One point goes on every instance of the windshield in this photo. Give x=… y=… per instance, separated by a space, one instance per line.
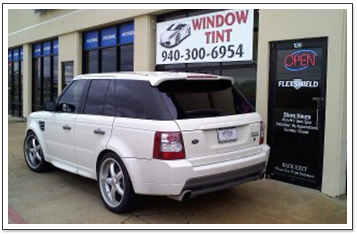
x=203 y=98
x=173 y=27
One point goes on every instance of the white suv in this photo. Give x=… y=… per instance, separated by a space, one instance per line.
x=153 y=133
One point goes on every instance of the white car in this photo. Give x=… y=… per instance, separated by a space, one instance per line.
x=174 y=35
x=153 y=133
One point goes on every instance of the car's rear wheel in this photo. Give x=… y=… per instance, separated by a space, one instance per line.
x=115 y=185
x=33 y=153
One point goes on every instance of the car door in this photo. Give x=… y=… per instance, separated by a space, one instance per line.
x=93 y=127
x=60 y=127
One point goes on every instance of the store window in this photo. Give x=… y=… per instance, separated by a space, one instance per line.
x=109 y=49
x=15 y=82
x=44 y=73
x=244 y=73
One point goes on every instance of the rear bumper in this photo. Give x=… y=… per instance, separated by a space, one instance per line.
x=173 y=178
x=207 y=184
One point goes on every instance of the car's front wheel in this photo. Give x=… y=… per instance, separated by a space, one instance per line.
x=33 y=153
x=115 y=185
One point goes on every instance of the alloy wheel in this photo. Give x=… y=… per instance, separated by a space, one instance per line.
x=111 y=182
x=33 y=152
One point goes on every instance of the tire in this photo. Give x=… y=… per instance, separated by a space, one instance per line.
x=114 y=184
x=33 y=154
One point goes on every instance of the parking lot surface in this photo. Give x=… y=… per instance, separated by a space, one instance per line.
x=61 y=197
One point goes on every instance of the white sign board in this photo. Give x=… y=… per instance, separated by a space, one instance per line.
x=222 y=36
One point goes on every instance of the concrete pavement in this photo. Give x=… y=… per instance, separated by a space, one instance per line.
x=61 y=197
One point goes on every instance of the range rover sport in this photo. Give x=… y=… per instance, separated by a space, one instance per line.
x=152 y=133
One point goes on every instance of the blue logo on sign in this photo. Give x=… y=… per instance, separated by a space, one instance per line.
x=126 y=33
x=91 y=40
x=9 y=56
x=36 y=50
x=108 y=37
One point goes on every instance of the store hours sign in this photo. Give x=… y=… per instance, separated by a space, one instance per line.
x=217 y=37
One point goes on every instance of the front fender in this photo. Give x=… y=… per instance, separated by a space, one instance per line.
x=33 y=125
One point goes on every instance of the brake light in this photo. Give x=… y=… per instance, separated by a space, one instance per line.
x=168 y=146
x=262 y=130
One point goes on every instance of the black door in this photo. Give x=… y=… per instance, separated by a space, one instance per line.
x=296 y=117
x=67 y=73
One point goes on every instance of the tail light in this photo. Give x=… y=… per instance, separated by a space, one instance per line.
x=168 y=146
x=262 y=130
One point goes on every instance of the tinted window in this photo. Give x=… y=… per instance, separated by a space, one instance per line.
x=138 y=99
x=55 y=76
x=46 y=79
x=109 y=59
x=109 y=106
x=245 y=81
x=199 y=99
x=126 y=58
x=72 y=97
x=91 y=61
x=96 y=97
x=36 y=85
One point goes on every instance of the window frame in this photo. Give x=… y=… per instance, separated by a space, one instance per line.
x=63 y=75
x=34 y=83
x=12 y=104
x=99 y=49
x=83 y=96
x=86 y=94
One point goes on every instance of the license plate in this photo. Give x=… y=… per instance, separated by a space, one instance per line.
x=227 y=135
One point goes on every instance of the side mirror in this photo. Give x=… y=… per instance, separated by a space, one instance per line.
x=50 y=106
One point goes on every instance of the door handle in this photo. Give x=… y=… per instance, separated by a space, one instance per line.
x=66 y=127
x=319 y=102
x=99 y=131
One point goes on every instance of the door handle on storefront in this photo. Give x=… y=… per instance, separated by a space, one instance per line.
x=319 y=101
x=99 y=131
x=66 y=127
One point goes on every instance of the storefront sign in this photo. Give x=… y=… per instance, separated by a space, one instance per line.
x=21 y=53
x=46 y=48
x=9 y=56
x=55 y=47
x=217 y=37
x=36 y=50
x=91 y=40
x=300 y=60
x=296 y=111
x=298 y=84
x=16 y=55
x=108 y=37
x=126 y=33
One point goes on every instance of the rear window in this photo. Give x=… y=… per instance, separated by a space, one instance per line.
x=187 y=99
x=138 y=99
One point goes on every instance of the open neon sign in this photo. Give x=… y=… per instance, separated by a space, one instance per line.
x=300 y=60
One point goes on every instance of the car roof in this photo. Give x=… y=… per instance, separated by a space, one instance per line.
x=155 y=78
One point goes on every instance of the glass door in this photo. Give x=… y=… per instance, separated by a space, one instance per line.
x=67 y=73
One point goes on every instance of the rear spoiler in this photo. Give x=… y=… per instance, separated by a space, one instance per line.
x=156 y=82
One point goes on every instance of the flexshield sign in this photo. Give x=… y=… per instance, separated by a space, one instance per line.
x=218 y=37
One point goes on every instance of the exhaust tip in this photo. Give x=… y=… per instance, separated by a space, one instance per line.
x=184 y=196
